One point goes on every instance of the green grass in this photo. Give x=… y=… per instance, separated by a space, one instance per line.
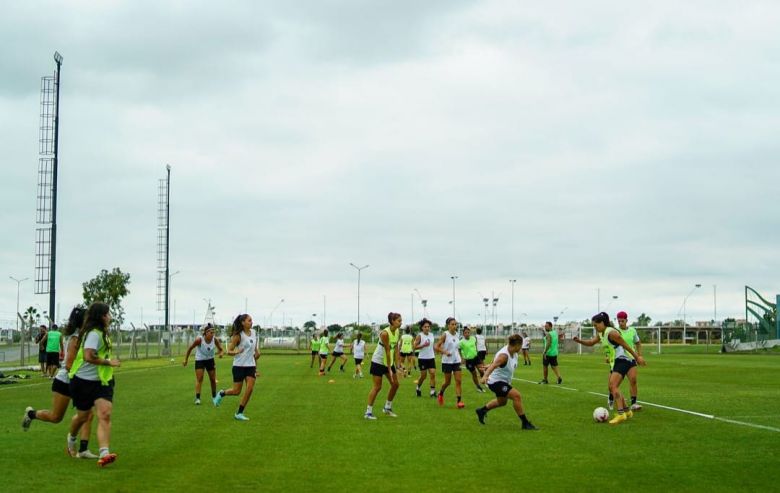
x=306 y=433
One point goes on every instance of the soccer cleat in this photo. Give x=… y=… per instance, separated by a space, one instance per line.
x=26 y=421
x=70 y=447
x=461 y=405
x=618 y=419
x=481 y=415
x=369 y=416
x=629 y=413
x=240 y=417
x=440 y=399
x=529 y=426
x=197 y=402
x=480 y=390
x=610 y=404
x=217 y=400
x=106 y=460
x=86 y=454
x=433 y=393
x=636 y=407
x=560 y=380
x=543 y=382
x=419 y=392
x=389 y=412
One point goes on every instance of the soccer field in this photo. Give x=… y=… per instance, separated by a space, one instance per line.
x=308 y=433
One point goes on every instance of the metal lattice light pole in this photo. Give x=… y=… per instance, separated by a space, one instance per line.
x=512 y=282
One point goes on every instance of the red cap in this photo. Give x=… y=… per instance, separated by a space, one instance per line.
x=623 y=315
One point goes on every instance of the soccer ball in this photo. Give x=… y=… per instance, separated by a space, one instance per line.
x=600 y=414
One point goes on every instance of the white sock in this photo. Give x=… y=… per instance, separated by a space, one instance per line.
x=389 y=405
x=369 y=409
x=103 y=451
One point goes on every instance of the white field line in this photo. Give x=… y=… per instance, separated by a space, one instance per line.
x=48 y=382
x=669 y=408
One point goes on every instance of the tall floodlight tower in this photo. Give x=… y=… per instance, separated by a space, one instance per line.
x=163 y=240
x=46 y=210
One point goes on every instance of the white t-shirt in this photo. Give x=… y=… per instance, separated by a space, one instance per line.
x=450 y=346
x=526 y=343
x=88 y=371
x=506 y=373
x=426 y=352
x=359 y=349
x=247 y=346
x=339 y=346
x=62 y=373
x=481 y=346
x=205 y=350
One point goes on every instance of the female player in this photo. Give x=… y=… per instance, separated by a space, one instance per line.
x=481 y=350
x=498 y=378
x=243 y=348
x=467 y=347
x=92 y=380
x=204 y=360
x=315 y=349
x=427 y=361
x=338 y=352
x=407 y=352
x=526 y=349
x=447 y=346
x=60 y=389
x=623 y=358
x=383 y=364
x=324 y=349
x=358 y=349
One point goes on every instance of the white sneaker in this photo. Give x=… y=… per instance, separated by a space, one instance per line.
x=70 y=448
x=389 y=412
x=241 y=417
x=86 y=455
x=636 y=407
x=369 y=416
x=197 y=402
x=26 y=421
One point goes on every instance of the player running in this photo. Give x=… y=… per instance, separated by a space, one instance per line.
x=447 y=346
x=324 y=350
x=338 y=352
x=204 y=346
x=358 y=349
x=498 y=378
x=424 y=343
x=383 y=364
x=467 y=347
x=60 y=390
x=243 y=347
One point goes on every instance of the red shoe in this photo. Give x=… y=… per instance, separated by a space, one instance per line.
x=461 y=405
x=440 y=399
x=106 y=460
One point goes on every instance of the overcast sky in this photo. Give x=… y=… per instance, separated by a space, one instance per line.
x=626 y=147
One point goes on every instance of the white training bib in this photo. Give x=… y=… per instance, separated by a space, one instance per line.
x=450 y=346
x=247 y=346
x=205 y=350
x=506 y=373
x=426 y=352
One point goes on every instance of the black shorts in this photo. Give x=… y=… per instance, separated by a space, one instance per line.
x=501 y=389
x=324 y=356
x=205 y=364
x=550 y=360
x=53 y=359
x=60 y=387
x=315 y=351
x=471 y=364
x=481 y=356
x=622 y=366
x=85 y=392
x=41 y=356
x=380 y=370
x=241 y=373
x=450 y=367
x=358 y=361
x=337 y=354
x=427 y=364
x=417 y=354
x=404 y=355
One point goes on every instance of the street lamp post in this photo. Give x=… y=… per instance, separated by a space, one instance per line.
x=170 y=277
x=453 y=295
x=21 y=338
x=359 y=270
x=685 y=302
x=495 y=321
x=271 y=316
x=513 y=281
x=484 y=323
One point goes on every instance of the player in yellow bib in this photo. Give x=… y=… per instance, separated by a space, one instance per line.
x=407 y=351
x=315 y=349
x=383 y=364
